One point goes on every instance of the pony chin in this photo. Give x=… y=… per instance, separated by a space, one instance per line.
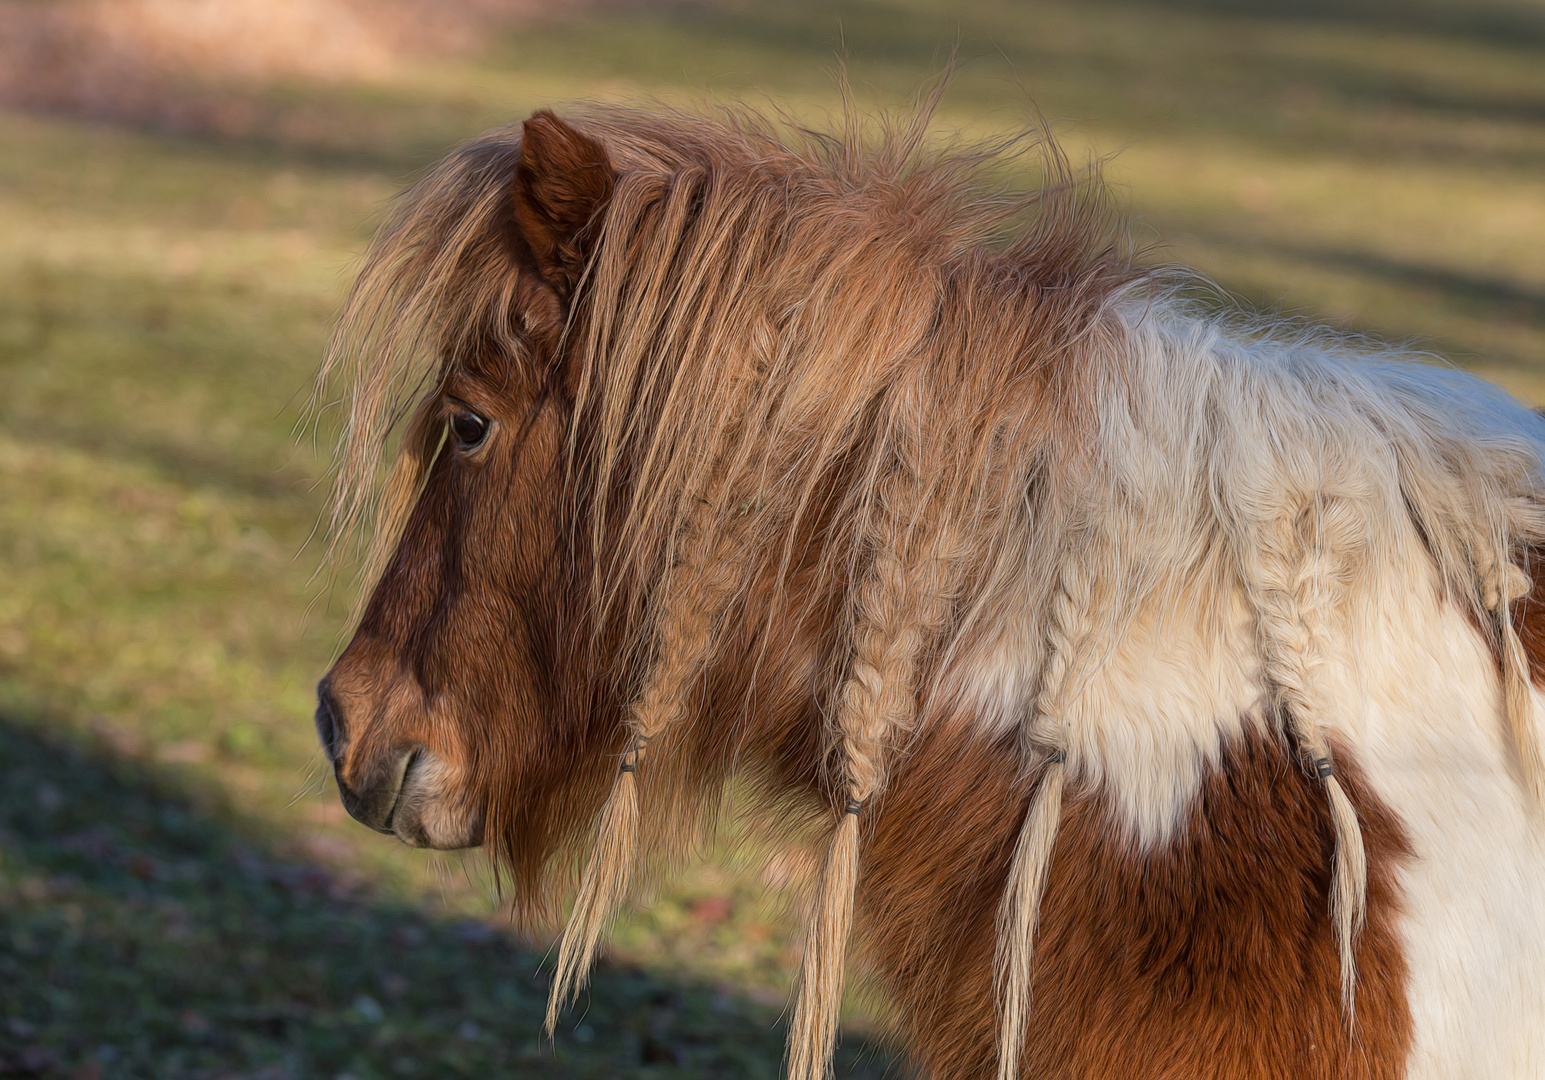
x=432 y=809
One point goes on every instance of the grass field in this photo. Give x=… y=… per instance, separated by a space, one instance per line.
x=180 y=894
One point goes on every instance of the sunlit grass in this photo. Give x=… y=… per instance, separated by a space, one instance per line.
x=164 y=300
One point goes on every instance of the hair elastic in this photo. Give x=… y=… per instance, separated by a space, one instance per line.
x=630 y=758
x=1323 y=768
x=855 y=807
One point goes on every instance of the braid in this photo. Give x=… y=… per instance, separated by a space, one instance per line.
x=900 y=606
x=1044 y=741
x=707 y=577
x=1290 y=589
x=1502 y=582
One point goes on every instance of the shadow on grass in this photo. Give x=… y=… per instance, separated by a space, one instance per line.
x=1478 y=294
x=312 y=125
x=143 y=937
x=1504 y=23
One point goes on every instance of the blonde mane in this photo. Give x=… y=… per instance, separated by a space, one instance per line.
x=868 y=361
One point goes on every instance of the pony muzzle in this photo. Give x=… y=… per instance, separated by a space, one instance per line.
x=376 y=800
x=409 y=796
x=402 y=789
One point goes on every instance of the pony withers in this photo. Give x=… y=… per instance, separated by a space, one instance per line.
x=1160 y=681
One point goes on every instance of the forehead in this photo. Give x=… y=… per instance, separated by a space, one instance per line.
x=490 y=371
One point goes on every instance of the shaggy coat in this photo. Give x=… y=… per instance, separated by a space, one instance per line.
x=1159 y=680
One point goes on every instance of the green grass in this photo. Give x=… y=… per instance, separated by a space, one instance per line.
x=164 y=300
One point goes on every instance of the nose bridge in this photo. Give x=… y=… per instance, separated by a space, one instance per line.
x=408 y=597
x=390 y=714
x=371 y=708
x=372 y=701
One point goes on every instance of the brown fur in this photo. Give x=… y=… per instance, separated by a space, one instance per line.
x=1529 y=617
x=1211 y=957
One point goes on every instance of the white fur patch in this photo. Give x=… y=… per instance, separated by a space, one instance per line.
x=1148 y=722
x=1147 y=719
x=429 y=811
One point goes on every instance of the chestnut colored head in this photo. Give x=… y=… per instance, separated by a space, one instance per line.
x=460 y=693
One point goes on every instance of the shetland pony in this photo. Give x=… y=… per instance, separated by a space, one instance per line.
x=1162 y=682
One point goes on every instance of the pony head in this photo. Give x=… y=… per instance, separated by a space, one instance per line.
x=454 y=706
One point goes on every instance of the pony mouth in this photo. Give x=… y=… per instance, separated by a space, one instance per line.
x=403 y=776
x=410 y=805
x=377 y=805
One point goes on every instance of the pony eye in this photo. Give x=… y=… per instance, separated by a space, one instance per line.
x=468 y=427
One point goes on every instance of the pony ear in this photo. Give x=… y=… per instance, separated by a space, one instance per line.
x=563 y=182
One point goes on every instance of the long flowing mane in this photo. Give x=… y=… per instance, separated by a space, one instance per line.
x=867 y=373
x=757 y=285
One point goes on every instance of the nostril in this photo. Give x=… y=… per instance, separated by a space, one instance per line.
x=327 y=720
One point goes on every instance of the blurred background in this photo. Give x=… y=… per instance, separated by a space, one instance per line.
x=184 y=188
